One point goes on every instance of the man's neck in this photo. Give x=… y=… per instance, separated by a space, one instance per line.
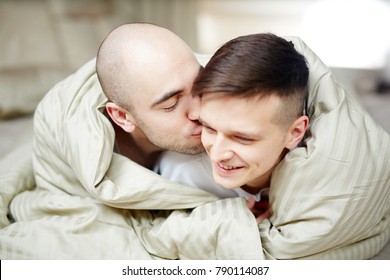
x=257 y=189
x=133 y=146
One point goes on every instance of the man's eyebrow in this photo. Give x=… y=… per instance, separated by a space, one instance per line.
x=246 y=134
x=165 y=97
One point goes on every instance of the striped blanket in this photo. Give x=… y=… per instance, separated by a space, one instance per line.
x=66 y=195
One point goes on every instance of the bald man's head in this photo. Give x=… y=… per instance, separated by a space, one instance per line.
x=147 y=73
x=129 y=54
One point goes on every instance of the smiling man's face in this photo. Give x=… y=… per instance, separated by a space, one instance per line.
x=243 y=139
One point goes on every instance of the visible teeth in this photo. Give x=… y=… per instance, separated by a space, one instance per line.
x=227 y=167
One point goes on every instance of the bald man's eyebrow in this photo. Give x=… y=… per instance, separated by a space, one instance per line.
x=165 y=97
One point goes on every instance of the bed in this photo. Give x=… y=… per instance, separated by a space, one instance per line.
x=310 y=220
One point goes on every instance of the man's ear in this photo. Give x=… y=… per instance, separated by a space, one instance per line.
x=120 y=116
x=297 y=132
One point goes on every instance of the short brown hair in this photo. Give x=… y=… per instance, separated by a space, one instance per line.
x=258 y=65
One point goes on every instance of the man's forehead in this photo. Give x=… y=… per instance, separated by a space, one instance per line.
x=153 y=88
x=236 y=113
x=162 y=83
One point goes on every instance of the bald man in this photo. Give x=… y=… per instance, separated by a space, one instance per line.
x=147 y=72
x=139 y=94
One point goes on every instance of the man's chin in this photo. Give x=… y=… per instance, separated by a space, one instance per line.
x=191 y=150
x=228 y=184
x=195 y=151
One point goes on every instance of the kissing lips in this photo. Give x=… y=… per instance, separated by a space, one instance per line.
x=197 y=133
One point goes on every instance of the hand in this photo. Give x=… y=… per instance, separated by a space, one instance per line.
x=259 y=209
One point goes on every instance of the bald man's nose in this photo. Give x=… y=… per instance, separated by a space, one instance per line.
x=194 y=109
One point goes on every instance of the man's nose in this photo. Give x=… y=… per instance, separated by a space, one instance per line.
x=194 y=108
x=219 y=150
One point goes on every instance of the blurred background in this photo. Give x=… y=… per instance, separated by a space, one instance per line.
x=43 y=41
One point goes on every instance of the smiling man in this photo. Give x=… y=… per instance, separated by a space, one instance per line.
x=252 y=111
x=328 y=194
x=252 y=94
